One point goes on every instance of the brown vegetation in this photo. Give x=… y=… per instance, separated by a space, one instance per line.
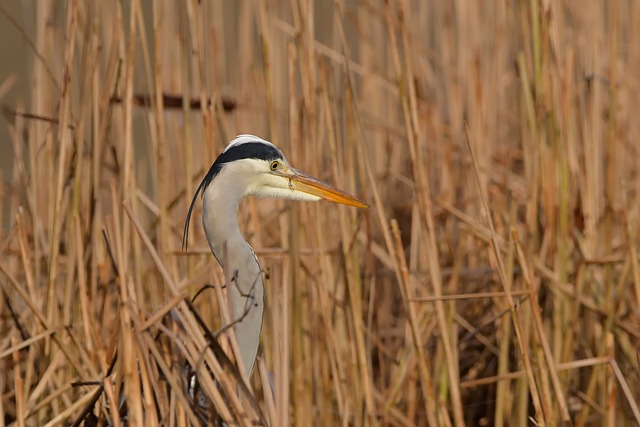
x=494 y=280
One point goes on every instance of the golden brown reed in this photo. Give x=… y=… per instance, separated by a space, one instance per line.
x=495 y=279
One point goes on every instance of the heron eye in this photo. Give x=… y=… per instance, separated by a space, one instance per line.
x=274 y=165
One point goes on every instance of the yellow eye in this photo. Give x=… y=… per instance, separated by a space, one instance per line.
x=274 y=165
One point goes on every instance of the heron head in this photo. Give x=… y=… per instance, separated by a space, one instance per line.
x=250 y=165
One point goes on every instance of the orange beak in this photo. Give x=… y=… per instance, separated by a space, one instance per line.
x=307 y=184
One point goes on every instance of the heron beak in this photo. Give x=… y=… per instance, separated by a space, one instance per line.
x=301 y=182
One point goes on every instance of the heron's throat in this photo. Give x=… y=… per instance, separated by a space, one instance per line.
x=220 y=221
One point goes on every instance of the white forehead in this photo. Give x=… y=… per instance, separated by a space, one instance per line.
x=245 y=138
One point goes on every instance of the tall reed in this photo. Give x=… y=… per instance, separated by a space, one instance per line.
x=494 y=280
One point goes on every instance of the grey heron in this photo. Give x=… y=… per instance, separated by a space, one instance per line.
x=249 y=165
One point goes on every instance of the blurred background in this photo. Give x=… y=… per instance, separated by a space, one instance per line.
x=494 y=280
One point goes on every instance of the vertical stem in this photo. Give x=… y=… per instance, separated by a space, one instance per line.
x=64 y=140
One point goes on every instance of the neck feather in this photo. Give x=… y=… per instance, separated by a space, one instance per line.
x=245 y=289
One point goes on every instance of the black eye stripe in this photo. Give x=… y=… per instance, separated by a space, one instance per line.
x=248 y=150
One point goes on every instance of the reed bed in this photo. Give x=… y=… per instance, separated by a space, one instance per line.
x=494 y=280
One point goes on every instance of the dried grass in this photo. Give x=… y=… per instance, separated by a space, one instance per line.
x=494 y=280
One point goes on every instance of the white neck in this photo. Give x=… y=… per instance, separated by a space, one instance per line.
x=245 y=290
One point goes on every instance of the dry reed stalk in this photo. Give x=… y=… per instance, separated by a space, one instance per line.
x=268 y=81
x=160 y=137
x=349 y=252
x=540 y=416
x=406 y=292
x=426 y=381
x=299 y=320
x=372 y=96
x=423 y=197
x=537 y=320
x=198 y=38
x=337 y=364
x=63 y=139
